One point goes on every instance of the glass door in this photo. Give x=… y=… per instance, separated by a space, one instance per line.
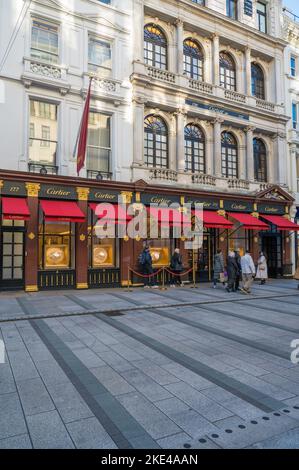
x=12 y=258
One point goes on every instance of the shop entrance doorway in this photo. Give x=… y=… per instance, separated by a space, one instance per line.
x=12 y=255
x=204 y=256
x=271 y=245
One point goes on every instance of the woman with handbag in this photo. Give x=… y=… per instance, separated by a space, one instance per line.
x=218 y=268
x=262 y=268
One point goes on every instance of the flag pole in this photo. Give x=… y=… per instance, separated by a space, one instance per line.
x=81 y=141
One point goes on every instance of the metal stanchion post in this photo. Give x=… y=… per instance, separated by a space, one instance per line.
x=163 y=280
x=129 y=281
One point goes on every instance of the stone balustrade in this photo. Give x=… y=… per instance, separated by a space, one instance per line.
x=201 y=86
x=163 y=174
x=161 y=74
x=236 y=183
x=235 y=96
x=203 y=179
x=266 y=105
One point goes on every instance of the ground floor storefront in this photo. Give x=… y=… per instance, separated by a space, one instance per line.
x=49 y=238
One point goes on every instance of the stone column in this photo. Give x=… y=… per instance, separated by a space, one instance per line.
x=31 y=239
x=138 y=130
x=217 y=146
x=180 y=46
x=138 y=31
x=180 y=140
x=215 y=59
x=278 y=80
x=248 y=70
x=82 y=241
x=249 y=165
x=280 y=152
x=209 y=150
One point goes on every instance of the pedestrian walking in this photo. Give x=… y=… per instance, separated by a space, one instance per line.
x=218 y=268
x=239 y=274
x=248 y=272
x=296 y=275
x=262 y=268
x=232 y=271
x=176 y=265
x=146 y=263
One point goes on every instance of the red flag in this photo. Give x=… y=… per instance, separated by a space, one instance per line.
x=83 y=133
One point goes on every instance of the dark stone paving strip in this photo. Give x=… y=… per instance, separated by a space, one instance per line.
x=79 y=302
x=216 y=331
x=118 y=423
x=243 y=391
x=270 y=309
x=279 y=326
x=26 y=306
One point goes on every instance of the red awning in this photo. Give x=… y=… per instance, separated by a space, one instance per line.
x=113 y=213
x=281 y=222
x=14 y=208
x=167 y=215
x=248 y=221
x=211 y=219
x=66 y=211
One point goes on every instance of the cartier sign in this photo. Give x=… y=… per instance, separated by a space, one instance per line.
x=57 y=192
x=271 y=209
x=163 y=200
x=239 y=206
x=208 y=204
x=100 y=195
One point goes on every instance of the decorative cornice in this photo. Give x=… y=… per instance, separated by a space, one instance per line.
x=82 y=193
x=32 y=189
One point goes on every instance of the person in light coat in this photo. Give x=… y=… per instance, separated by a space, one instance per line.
x=262 y=268
x=248 y=272
x=218 y=267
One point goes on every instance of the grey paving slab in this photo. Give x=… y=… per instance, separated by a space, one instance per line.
x=286 y=440
x=7 y=383
x=16 y=442
x=47 y=431
x=145 y=385
x=156 y=423
x=157 y=373
x=176 y=441
x=34 y=397
x=112 y=380
x=11 y=416
x=89 y=434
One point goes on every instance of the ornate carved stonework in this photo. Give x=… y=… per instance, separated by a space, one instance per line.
x=32 y=189
x=82 y=194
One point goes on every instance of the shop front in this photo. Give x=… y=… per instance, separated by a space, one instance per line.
x=49 y=231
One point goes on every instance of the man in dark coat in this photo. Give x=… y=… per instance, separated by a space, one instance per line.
x=232 y=271
x=239 y=274
x=176 y=265
x=146 y=263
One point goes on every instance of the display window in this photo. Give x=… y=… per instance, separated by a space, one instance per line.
x=240 y=239
x=56 y=245
x=103 y=252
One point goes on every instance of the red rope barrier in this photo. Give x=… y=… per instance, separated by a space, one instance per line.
x=146 y=275
x=178 y=274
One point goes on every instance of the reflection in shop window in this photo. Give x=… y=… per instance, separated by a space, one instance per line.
x=42 y=132
x=56 y=245
x=241 y=240
x=103 y=252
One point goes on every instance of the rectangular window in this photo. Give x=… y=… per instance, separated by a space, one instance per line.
x=232 y=9
x=261 y=11
x=56 y=245
x=99 y=142
x=43 y=132
x=294 y=115
x=99 y=57
x=44 y=41
x=293 y=66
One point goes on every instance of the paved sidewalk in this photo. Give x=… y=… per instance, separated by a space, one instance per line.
x=181 y=368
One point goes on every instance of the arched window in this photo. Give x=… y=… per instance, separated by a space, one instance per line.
x=227 y=71
x=194 y=149
x=257 y=82
x=155 y=47
x=155 y=142
x=193 y=60
x=260 y=160
x=229 y=155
